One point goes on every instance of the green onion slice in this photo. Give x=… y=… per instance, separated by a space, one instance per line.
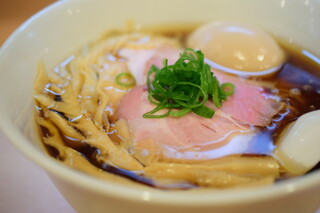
x=185 y=87
x=125 y=79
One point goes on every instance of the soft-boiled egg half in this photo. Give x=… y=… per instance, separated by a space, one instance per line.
x=238 y=48
x=299 y=148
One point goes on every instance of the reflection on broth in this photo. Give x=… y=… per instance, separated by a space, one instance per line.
x=91 y=107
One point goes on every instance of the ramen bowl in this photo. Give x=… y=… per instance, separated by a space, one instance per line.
x=61 y=29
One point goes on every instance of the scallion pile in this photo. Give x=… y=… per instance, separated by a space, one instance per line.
x=185 y=87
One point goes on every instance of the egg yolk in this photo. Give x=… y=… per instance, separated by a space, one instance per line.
x=238 y=47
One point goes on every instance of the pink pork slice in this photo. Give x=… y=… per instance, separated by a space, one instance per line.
x=172 y=137
x=250 y=104
x=139 y=61
x=176 y=138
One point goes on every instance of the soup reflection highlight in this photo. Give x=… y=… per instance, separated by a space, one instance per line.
x=91 y=113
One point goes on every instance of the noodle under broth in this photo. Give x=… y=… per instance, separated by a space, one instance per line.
x=77 y=114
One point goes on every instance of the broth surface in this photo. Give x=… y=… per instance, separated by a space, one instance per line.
x=297 y=84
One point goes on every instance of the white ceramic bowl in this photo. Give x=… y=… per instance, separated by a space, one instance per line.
x=59 y=30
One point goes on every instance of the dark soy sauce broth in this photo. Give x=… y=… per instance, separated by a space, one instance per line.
x=298 y=85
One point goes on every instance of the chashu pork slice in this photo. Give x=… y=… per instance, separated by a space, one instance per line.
x=192 y=137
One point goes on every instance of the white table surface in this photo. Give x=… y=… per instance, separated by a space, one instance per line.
x=24 y=187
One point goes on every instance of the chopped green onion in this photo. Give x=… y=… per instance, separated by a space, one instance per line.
x=227 y=88
x=151 y=113
x=185 y=86
x=125 y=79
x=204 y=111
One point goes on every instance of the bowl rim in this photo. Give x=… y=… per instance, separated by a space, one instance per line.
x=207 y=198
